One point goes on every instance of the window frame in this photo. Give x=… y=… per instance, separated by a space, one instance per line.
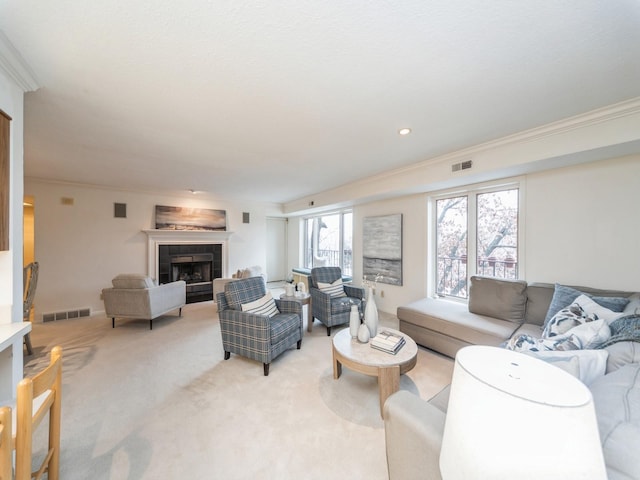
x=471 y=192
x=341 y=242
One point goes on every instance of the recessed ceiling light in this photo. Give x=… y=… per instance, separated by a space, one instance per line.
x=404 y=131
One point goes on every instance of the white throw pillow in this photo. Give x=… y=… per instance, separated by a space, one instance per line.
x=335 y=289
x=592 y=363
x=591 y=334
x=263 y=306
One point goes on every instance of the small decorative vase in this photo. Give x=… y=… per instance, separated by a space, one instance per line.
x=354 y=321
x=363 y=333
x=371 y=314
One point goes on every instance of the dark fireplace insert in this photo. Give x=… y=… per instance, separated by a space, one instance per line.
x=196 y=264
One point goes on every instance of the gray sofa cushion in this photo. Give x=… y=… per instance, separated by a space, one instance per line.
x=622 y=353
x=455 y=320
x=132 y=280
x=503 y=299
x=539 y=297
x=616 y=398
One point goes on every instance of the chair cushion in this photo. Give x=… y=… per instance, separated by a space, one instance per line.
x=263 y=306
x=132 y=280
x=343 y=304
x=283 y=325
x=335 y=289
x=245 y=290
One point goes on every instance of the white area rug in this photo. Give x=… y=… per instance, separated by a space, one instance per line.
x=163 y=404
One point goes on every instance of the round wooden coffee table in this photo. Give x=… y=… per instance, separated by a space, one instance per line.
x=363 y=358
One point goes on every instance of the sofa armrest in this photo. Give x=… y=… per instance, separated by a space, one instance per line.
x=127 y=302
x=218 y=285
x=413 y=435
x=289 y=306
x=354 y=292
x=320 y=303
x=167 y=297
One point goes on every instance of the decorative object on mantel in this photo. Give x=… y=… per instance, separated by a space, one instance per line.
x=371 y=310
x=185 y=218
x=382 y=248
x=354 y=321
x=363 y=333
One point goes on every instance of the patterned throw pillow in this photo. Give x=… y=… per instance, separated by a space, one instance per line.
x=263 y=306
x=563 y=296
x=582 y=310
x=528 y=343
x=335 y=289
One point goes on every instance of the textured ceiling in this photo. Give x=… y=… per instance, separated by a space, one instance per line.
x=275 y=100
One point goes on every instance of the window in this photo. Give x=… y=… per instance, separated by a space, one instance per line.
x=328 y=241
x=476 y=234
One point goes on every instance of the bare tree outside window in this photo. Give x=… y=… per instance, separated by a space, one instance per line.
x=451 y=232
x=495 y=249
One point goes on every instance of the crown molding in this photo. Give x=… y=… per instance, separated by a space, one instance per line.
x=412 y=178
x=593 y=117
x=12 y=64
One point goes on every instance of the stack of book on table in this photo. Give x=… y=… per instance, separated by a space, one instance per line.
x=388 y=341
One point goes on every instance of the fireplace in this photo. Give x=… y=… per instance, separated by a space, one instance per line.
x=198 y=257
x=197 y=264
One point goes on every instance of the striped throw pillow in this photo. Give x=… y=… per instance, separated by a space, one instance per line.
x=335 y=289
x=263 y=306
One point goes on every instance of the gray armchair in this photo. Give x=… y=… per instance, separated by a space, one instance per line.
x=253 y=335
x=137 y=296
x=331 y=309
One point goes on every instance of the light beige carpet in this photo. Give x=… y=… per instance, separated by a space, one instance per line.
x=163 y=404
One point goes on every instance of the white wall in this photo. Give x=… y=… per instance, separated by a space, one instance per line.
x=81 y=247
x=11 y=102
x=582 y=225
x=581 y=228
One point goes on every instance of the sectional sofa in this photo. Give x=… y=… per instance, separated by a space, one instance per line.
x=497 y=310
x=500 y=310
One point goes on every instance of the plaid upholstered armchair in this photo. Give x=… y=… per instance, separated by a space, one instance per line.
x=331 y=299
x=255 y=325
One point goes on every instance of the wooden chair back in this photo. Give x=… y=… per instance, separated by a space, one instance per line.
x=6 y=447
x=29 y=284
x=36 y=397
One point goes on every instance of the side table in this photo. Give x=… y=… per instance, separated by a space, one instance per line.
x=304 y=299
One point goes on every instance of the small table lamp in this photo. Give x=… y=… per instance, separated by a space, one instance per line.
x=512 y=416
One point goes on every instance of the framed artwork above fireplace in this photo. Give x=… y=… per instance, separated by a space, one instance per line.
x=185 y=218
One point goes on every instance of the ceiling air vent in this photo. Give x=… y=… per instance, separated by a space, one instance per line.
x=456 y=167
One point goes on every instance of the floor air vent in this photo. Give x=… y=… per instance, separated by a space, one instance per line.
x=76 y=313
x=456 y=167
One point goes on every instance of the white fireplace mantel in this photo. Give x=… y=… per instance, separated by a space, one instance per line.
x=155 y=238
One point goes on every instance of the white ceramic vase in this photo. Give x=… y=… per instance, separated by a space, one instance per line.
x=354 y=321
x=363 y=333
x=371 y=314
